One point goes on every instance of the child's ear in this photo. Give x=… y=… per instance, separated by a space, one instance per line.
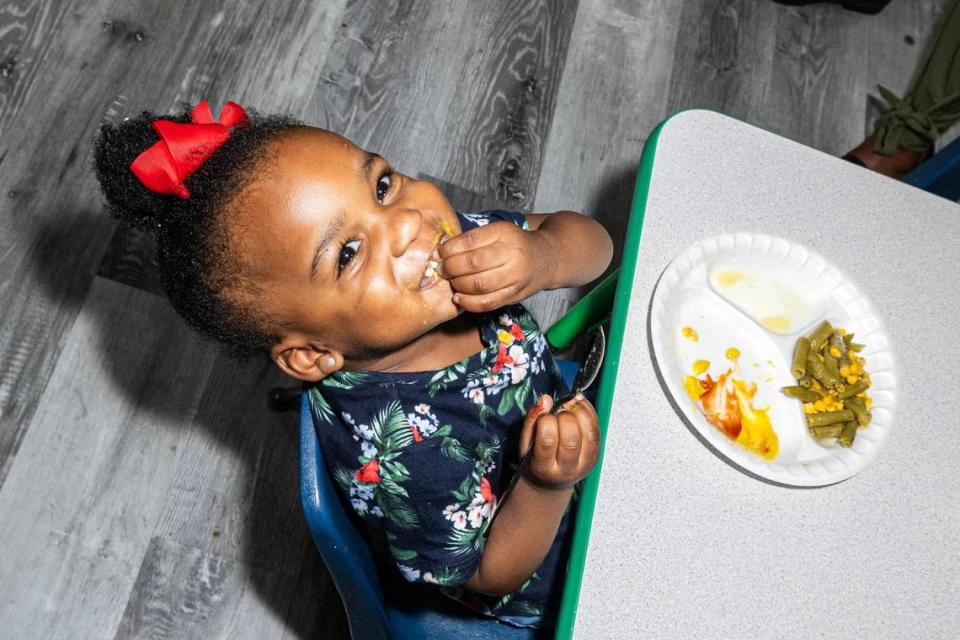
x=306 y=362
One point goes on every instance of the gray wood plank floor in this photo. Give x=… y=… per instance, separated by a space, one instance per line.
x=146 y=491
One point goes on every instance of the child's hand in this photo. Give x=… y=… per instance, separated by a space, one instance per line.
x=495 y=265
x=565 y=445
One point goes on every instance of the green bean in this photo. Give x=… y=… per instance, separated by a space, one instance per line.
x=856 y=348
x=854 y=389
x=832 y=372
x=820 y=336
x=804 y=395
x=829 y=417
x=800 y=353
x=815 y=369
x=847 y=434
x=827 y=431
x=859 y=409
x=836 y=341
x=847 y=339
x=806 y=382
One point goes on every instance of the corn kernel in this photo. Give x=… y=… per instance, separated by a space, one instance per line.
x=808 y=407
x=835 y=352
x=700 y=366
x=852 y=379
x=841 y=331
x=868 y=402
x=844 y=371
x=819 y=406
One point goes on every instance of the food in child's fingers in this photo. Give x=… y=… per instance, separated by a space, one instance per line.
x=832 y=384
x=431 y=273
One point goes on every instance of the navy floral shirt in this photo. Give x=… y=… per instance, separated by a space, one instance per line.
x=424 y=457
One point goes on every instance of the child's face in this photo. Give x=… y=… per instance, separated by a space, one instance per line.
x=338 y=245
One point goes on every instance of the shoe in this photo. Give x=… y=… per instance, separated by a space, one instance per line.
x=896 y=166
x=861 y=6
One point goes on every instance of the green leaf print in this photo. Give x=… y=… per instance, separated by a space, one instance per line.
x=441 y=380
x=391 y=486
x=469 y=540
x=391 y=430
x=531 y=331
x=344 y=477
x=404 y=555
x=446 y=576
x=321 y=408
x=345 y=379
x=395 y=509
x=442 y=431
x=464 y=493
x=452 y=448
x=516 y=396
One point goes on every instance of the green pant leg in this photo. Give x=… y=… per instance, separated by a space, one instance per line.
x=916 y=121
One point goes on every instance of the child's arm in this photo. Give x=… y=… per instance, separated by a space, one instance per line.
x=565 y=449
x=499 y=264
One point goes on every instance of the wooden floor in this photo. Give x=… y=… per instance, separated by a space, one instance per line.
x=146 y=491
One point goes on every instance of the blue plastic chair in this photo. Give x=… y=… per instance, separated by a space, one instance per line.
x=379 y=607
x=939 y=174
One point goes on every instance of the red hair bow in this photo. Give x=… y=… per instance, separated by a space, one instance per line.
x=183 y=147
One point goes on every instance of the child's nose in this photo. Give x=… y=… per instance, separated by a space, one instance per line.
x=404 y=229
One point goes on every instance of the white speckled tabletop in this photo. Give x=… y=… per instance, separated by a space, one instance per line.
x=683 y=545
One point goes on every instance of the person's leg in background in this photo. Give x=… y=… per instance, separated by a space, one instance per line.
x=906 y=132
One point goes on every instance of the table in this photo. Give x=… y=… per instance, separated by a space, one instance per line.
x=683 y=545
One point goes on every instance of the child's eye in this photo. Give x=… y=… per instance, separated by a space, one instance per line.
x=347 y=253
x=383 y=185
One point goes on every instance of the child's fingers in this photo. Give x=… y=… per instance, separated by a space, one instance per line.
x=589 y=433
x=468 y=241
x=487 y=301
x=545 y=441
x=484 y=282
x=475 y=261
x=543 y=405
x=568 y=450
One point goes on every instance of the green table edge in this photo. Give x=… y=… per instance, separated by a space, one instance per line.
x=588 y=495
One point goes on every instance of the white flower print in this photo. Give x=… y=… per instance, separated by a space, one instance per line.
x=459 y=520
x=450 y=510
x=518 y=370
x=476 y=395
x=475 y=516
x=422 y=409
x=425 y=424
x=409 y=573
x=376 y=511
x=359 y=506
x=428 y=577
x=505 y=320
x=369 y=449
x=362 y=491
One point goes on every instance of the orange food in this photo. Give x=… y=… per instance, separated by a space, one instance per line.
x=727 y=405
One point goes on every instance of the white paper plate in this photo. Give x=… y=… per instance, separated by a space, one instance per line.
x=683 y=297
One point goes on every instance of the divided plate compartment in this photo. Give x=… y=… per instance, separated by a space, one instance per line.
x=684 y=297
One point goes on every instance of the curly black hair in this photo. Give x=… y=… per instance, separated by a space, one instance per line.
x=196 y=268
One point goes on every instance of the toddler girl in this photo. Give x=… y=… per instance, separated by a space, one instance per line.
x=427 y=380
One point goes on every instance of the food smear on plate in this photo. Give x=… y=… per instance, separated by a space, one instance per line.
x=690 y=334
x=832 y=384
x=727 y=403
x=771 y=302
